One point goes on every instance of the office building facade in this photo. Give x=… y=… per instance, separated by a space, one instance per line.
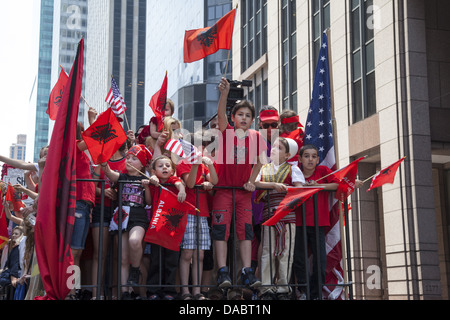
x=390 y=80
x=117 y=48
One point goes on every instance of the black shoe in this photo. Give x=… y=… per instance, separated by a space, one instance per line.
x=249 y=278
x=133 y=276
x=223 y=278
x=126 y=296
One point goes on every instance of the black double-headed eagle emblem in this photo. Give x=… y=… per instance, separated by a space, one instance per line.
x=104 y=133
x=207 y=37
x=173 y=219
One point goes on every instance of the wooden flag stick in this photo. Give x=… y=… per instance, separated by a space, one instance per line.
x=228 y=59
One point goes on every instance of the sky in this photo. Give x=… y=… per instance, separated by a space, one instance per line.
x=18 y=57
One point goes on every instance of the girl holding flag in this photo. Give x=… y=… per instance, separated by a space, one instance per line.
x=135 y=195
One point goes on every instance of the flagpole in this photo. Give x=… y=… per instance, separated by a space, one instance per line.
x=336 y=153
x=229 y=51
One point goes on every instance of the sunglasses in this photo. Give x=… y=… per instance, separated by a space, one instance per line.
x=274 y=125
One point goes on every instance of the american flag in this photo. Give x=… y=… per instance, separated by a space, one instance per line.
x=175 y=147
x=319 y=132
x=192 y=154
x=115 y=99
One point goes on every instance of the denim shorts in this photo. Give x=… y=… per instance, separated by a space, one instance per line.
x=81 y=225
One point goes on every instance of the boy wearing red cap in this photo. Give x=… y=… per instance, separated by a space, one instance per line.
x=135 y=196
x=240 y=155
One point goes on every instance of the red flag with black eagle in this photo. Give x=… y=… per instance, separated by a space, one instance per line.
x=386 y=175
x=158 y=103
x=12 y=197
x=199 y=43
x=55 y=99
x=294 y=198
x=169 y=221
x=4 y=235
x=347 y=184
x=104 y=137
x=56 y=214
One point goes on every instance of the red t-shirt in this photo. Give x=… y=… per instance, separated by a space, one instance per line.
x=236 y=157
x=85 y=190
x=117 y=166
x=184 y=167
x=323 y=208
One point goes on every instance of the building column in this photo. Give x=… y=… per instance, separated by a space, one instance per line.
x=412 y=263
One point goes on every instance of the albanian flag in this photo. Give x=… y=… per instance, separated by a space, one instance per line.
x=347 y=184
x=4 y=235
x=158 y=103
x=104 y=137
x=56 y=95
x=199 y=43
x=169 y=221
x=385 y=176
x=294 y=198
x=56 y=214
x=11 y=196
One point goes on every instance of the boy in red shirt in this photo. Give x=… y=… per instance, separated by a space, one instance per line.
x=241 y=154
x=308 y=162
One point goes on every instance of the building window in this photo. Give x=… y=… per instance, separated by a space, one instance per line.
x=254 y=31
x=321 y=22
x=289 y=54
x=363 y=63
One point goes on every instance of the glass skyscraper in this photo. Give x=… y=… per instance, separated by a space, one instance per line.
x=44 y=76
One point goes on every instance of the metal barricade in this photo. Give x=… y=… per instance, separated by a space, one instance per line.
x=232 y=258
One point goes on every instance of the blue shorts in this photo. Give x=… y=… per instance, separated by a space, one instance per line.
x=81 y=225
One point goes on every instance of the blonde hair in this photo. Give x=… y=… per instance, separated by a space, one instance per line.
x=168 y=122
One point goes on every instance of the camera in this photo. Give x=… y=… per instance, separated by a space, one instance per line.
x=236 y=94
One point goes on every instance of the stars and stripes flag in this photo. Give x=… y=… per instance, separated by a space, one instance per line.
x=319 y=132
x=115 y=99
x=175 y=147
x=191 y=153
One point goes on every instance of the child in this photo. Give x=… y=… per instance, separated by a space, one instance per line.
x=163 y=170
x=290 y=127
x=168 y=112
x=195 y=174
x=239 y=149
x=278 y=241
x=117 y=164
x=135 y=195
x=309 y=160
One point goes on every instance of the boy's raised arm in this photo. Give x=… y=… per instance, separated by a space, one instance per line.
x=224 y=88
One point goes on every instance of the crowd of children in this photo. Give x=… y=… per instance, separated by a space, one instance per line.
x=230 y=182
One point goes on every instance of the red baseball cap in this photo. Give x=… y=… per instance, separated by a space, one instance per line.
x=269 y=115
x=142 y=153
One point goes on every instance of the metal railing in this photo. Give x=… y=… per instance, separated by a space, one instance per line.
x=232 y=259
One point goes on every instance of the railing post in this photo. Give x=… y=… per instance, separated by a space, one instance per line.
x=100 y=241
x=318 y=251
x=305 y=251
x=119 y=244
x=348 y=255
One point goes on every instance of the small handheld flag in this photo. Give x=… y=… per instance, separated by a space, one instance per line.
x=385 y=176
